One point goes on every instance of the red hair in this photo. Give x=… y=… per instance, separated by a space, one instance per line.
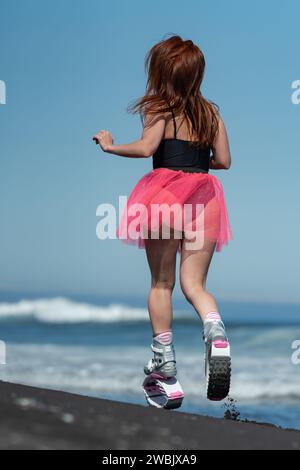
x=175 y=70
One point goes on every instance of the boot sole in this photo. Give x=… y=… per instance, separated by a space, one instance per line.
x=219 y=379
x=218 y=371
x=161 y=392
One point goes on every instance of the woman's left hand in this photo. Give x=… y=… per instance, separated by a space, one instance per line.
x=104 y=139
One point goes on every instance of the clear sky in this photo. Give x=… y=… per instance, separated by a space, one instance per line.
x=71 y=68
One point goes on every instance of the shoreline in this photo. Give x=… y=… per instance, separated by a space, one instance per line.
x=41 y=419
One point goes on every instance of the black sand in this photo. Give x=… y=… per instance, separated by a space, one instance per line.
x=33 y=418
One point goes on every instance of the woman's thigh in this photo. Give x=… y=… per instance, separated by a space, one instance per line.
x=194 y=264
x=161 y=256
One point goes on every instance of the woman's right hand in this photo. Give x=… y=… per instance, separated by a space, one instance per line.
x=104 y=139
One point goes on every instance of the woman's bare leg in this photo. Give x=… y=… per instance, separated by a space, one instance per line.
x=161 y=255
x=194 y=265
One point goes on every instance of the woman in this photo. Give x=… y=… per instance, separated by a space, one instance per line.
x=179 y=207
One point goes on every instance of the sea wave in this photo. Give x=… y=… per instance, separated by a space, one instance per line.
x=61 y=310
x=115 y=371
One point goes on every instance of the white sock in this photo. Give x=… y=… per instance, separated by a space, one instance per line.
x=164 y=338
x=212 y=316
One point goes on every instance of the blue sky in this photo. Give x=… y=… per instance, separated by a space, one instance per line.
x=71 y=68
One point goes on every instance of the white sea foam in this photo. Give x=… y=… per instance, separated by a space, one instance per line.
x=62 y=310
x=117 y=371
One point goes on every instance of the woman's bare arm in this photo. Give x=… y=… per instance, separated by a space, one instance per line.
x=221 y=157
x=142 y=148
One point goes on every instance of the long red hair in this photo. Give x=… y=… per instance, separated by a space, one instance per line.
x=175 y=70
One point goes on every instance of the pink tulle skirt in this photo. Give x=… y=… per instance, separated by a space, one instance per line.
x=164 y=202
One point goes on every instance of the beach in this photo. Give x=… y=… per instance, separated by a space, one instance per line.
x=40 y=419
x=98 y=349
x=79 y=306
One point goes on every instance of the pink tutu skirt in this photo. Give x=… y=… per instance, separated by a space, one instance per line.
x=185 y=204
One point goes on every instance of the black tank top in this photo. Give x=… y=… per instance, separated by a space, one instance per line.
x=178 y=154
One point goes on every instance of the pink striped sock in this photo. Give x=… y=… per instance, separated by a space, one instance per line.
x=213 y=316
x=164 y=338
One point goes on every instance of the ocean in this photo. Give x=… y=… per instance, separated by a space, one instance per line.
x=98 y=348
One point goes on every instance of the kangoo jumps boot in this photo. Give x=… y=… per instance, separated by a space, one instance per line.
x=217 y=360
x=164 y=360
